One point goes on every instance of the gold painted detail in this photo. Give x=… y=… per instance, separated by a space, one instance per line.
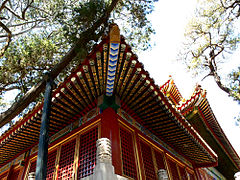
x=135 y=87
x=34 y=149
x=119 y=64
x=85 y=87
x=61 y=133
x=78 y=92
x=5 y=167
x=18 y=160
x=142 y=88
x=129 y=73
x=114 y=34
x=87 y=117
x=128 y=56
x=95 y=77
x=89 y=80
x=145 y=131
x=132 y=83
x=105 y=60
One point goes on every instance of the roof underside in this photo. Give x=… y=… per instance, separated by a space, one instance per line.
x=225 y=164
x=140 y=97
x=208 y=127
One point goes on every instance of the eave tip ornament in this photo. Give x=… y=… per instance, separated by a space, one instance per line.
x=114 y=33
x=113 y=57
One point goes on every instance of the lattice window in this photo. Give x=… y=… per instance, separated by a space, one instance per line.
x=202 y=175
x=191 y=176
x=173 y=170
x=32 y=167
x=51 y=165
x=147 y=161
x=87 y=153
x=129 y=165
x=14 y=175
x=183 y=173
x=159 y=160
x=66 y=161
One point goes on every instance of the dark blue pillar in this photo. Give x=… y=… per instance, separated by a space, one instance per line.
x=41 y=168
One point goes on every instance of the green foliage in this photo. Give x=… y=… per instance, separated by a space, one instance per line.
x=2 y=104
x=43 y=31
x=211 y=37
x=132 y=18
x=80 y=17
x=211 y=29
x=27 y=59
x=235 y=84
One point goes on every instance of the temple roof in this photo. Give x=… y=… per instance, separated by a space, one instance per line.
x=111 y=69
x=199 y=113
x=171 y=91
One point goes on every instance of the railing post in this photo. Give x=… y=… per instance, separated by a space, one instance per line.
x=41 y=167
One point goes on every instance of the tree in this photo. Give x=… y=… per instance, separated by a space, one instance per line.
x=211 y=37
x=40 y=36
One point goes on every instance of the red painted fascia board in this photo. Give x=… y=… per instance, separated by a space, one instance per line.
x=69 y=134
x=205 y=165
x=219 y=141
x=138 y=119
x=74 y=118
x=68 y=79
x=14 y=157
x=179 y=117
x=164 y=85
x=186 y=105
x=29 y=116
x=149 y=139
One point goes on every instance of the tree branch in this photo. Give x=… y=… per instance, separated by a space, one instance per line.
x=219 y=83
x=8 y=89
x=9 y=38
x=213 y=70
x=34 y=92
x=22 y=32
x=3 y=5
x=26 y=8
x=12 y=11
x=42 y=10
x=27 y=22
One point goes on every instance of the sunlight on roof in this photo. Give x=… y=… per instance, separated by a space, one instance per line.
x=169 y=20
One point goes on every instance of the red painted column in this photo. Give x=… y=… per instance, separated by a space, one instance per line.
x=110 y=130
x=25 y=167
x=9 y=172
x=21 y=173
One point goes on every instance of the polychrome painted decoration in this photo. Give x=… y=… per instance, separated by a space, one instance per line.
x=112 y=64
